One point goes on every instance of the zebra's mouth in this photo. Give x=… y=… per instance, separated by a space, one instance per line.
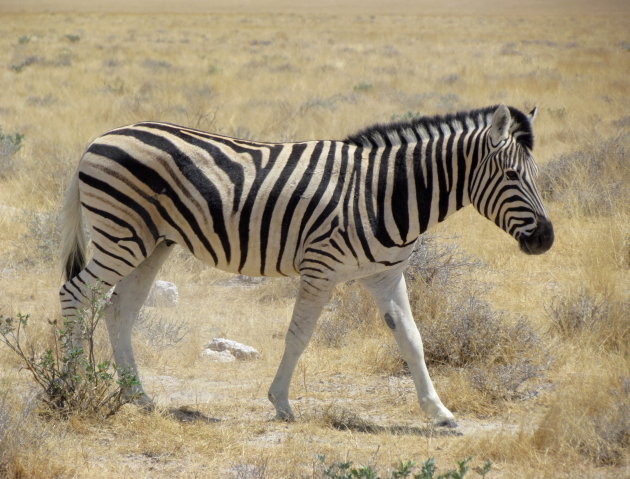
x=540 y=240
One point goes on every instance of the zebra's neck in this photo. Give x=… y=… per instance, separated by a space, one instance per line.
x=423 y=169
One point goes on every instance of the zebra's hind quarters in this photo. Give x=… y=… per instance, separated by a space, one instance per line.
x=540 y=240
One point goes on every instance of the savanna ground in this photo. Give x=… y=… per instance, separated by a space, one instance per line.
x=530 y=353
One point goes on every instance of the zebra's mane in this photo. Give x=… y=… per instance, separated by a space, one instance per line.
x=520 y=128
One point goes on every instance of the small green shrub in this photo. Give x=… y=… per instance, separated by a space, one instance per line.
x=10 y=144
x=362 y=87
x=404 y=117
x=72 y=381
x=405 y=469
x=28 y=61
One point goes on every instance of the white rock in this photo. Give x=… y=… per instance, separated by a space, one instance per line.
x=240 y=351
x=218 y=356
x=163 y=294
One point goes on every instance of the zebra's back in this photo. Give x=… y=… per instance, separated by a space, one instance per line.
x=249 y=207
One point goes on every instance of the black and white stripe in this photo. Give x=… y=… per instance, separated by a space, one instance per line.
x=326 y=210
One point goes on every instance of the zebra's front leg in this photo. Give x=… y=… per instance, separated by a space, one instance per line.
x=390 y=291
x=311 y=298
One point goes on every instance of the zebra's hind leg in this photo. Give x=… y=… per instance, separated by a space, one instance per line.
x=390 y=291
x=311 y=298
x=120 y=316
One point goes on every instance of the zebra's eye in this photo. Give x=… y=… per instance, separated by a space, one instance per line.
x=511 y=175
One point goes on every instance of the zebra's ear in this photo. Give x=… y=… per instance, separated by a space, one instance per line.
x=500 y=124
x=532 y=114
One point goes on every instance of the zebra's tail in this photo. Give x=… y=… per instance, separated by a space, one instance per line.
x=73 y=239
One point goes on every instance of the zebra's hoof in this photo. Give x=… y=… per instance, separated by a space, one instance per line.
x=450 y=423
x=285 y=416
x=142 y=401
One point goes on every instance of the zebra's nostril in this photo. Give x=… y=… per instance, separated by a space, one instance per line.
x=540 y=240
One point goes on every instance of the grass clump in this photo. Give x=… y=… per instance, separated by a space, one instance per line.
x=10 y=144
x=43 y=235
x=497 y=356
x=72 y=381
x=161 y=332
x=589 y=417
x=25 y=441
x=352 y=310
x=463 y=333
x=597 y=317
x=404 y=469
x=593 y=180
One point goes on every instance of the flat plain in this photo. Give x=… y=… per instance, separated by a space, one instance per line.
x=553 y=398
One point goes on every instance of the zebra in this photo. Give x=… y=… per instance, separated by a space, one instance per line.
x=328 y=211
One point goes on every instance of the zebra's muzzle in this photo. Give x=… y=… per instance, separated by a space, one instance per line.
x=540 y=240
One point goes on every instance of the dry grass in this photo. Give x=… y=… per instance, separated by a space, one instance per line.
x=593 y=180
x=589 y=416
x=69 y=77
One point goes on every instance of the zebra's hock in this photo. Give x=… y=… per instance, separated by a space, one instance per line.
x=540 y=240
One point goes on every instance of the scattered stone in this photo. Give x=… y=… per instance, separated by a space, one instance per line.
x=238 y=350
x=218 y=356
x=163 y=294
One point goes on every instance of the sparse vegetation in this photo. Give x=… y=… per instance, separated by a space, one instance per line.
x=43 y=235
x=601 y=319
x=405 y=469
x=589 y=417
x=20 y=66
x=72 y=381
x=531 y=353
x=462 y=332
x=10 y=144
x=350 y=310
x=592 y=180
x=161 y=331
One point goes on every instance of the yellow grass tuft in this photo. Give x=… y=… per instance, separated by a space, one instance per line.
x=68 y=78
x=589 y=415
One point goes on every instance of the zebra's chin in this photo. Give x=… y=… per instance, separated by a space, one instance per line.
x=540 y=240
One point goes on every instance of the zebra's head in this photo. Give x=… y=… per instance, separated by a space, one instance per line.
x=503 y=185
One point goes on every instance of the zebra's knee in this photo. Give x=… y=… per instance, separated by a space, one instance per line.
x=394 y=316
x=389 y=321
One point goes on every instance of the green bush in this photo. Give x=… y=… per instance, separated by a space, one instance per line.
x=408 y=469
x=72 y=381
